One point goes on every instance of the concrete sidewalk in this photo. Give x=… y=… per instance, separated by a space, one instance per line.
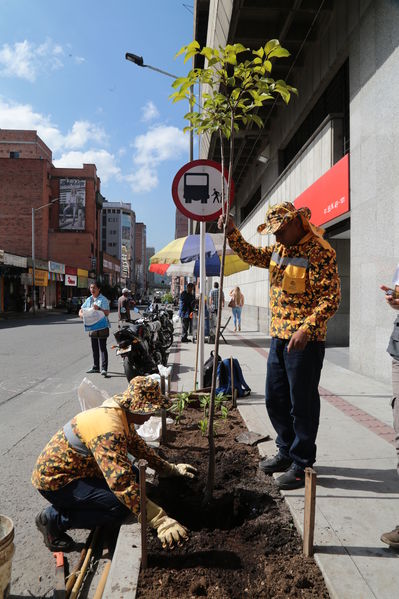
x=357 y=485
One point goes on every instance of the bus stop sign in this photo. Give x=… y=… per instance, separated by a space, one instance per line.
x=197 y=190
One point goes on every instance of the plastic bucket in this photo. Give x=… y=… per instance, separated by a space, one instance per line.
x=6 y=553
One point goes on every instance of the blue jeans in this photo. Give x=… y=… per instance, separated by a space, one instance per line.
x=83 y=503
x=237 y=315
x=292 y=398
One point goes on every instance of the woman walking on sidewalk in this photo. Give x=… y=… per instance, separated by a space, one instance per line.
x=236 y=303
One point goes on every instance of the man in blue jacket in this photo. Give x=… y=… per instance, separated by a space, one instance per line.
x=186 y=306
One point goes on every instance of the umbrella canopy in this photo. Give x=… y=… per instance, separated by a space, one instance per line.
x=232 y=264
x=187 y=249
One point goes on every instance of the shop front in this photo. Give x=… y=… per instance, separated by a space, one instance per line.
x=56 y=275
x=12 y=291
x=83 y=281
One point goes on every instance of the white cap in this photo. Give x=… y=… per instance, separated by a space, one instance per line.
x=125 y=290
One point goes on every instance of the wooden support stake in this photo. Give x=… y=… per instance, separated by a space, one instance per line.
x=143 y=513
x=309 y=512
x=169 y=384
x=163 y=412
x=233 y=395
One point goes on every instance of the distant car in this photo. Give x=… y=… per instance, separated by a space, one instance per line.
x=73 y=304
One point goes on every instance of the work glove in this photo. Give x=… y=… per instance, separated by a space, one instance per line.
x=185 y=470
x=169 y=531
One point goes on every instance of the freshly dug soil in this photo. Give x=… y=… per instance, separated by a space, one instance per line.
x=243 y=545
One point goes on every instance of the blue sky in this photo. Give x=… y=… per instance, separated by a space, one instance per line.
x=63 y=72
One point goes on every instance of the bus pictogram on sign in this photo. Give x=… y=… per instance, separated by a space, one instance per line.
x=197 y=190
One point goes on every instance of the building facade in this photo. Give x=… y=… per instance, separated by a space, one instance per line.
x=60 y=210
x=331 y=148
x=118 y=233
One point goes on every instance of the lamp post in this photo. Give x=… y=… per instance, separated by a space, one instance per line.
x=139 y=61
x=33 y=249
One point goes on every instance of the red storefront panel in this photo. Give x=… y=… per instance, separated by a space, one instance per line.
x=328 y=197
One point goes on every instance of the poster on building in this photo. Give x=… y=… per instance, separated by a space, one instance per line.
x=72 y=211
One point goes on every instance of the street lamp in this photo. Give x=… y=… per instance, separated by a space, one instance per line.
x=33 y=249
x=139 y=61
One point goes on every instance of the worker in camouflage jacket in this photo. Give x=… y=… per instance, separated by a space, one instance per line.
x=304 y=294
x=86 y=474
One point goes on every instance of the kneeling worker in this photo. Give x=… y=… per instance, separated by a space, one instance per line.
x=85 y=472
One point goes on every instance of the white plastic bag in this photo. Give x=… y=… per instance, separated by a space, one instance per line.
x=151 y=430
x=90 y=396
x=175 y=318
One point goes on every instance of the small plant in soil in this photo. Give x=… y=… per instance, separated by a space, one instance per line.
x=179 y=405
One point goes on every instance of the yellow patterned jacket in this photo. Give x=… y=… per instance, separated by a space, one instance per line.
x=107 y=436
x=304 y=283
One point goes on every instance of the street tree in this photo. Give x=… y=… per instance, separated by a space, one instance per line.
x=235 y=83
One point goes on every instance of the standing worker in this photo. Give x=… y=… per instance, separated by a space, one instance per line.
x=84 y=471
x=123 y=307
x=304 y=294
x=186 y=306
x=98 y=338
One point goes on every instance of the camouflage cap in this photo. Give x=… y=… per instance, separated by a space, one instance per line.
x=279 y=215
x=143 y=396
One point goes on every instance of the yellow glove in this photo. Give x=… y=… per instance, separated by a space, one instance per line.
x=181 y=470
x=169 y=531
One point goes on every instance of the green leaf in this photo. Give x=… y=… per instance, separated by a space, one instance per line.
x=189 y=55
x=270 y=45
x=268 y=66
x=260 y=53
x=279 y=52
x=207 y=52
x=257 y=120
x=240 y=48
x=181 y=51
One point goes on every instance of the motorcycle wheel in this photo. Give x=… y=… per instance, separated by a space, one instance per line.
x=159 y=357
x=167 y=338
x=130 y=371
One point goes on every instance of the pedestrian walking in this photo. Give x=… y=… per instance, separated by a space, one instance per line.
x=123 y=307
x=98 y=337
x=392 y=298
x=214 y=298
x=236 y=303
x=304 y=294
x=85 y=472
x=186 y=306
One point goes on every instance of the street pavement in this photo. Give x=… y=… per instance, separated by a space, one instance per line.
x=44 y=361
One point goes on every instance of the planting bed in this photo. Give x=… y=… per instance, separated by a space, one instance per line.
x=244 y=545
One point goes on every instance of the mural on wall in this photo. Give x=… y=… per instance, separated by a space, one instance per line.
x=72 y=212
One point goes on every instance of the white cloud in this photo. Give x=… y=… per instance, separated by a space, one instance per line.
x=149 y=112
x=25 y=59
x=158 y=145
x=104 y=161
x=22 y=116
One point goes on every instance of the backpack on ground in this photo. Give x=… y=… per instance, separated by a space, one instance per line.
x=224 y=377
x=208 y=369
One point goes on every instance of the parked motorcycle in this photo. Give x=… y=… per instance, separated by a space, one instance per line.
x=141 y=347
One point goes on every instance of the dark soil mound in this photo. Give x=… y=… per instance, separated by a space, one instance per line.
x=242 y=545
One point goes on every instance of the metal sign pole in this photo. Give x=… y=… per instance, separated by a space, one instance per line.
x=202 y=307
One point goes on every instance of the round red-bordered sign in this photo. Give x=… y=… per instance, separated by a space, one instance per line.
x=196 y=190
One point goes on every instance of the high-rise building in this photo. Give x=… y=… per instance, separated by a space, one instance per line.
x=118 y=230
